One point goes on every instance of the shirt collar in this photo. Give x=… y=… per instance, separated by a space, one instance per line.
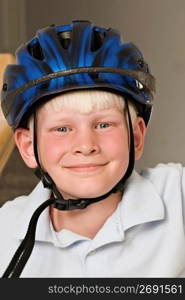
x=140 y=204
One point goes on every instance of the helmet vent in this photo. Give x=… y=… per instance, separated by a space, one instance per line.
x=94 y=76
x=142 y=64
x=35 y=50
x=5 y=87
x=97 y=40
x=65 y=39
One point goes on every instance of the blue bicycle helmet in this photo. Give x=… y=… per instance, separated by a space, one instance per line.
x=72 y=57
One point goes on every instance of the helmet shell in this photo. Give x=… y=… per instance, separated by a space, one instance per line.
x=86 y=52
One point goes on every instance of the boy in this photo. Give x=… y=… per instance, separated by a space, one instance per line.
x=80 y=101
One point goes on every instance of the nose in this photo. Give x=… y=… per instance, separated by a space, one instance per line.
x=86 y=143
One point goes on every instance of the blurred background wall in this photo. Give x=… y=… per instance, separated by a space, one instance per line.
x=157 y=27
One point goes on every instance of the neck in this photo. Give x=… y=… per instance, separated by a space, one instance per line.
x=86 y=222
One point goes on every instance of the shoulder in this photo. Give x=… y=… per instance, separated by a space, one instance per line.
x=13 y=205
x=14 y=219
x=10 y=214
x=11 y=211
x=168 y=181
x=164 y=168
x=164 y=174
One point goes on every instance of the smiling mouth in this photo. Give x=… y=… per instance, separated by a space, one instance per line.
x=85 y=167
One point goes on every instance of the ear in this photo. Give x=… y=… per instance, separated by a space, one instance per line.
x=24 y=142
x=139 y=130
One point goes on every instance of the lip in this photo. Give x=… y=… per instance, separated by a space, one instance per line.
x=90 y=167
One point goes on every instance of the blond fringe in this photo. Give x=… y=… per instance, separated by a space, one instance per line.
x=86 y=101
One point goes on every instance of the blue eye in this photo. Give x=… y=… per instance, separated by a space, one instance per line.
x=103 y=125
x=62 y=129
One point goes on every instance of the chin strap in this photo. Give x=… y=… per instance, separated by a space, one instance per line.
x=24 y=251
x=70 y=204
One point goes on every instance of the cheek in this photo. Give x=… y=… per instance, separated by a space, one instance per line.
x=117 y=145
x=51 y=149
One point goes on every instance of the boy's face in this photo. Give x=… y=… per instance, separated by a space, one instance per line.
x=85 y=154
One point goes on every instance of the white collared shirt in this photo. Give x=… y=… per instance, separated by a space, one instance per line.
x=144 y=237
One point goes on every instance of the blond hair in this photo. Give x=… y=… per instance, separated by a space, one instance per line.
x=85 y=101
